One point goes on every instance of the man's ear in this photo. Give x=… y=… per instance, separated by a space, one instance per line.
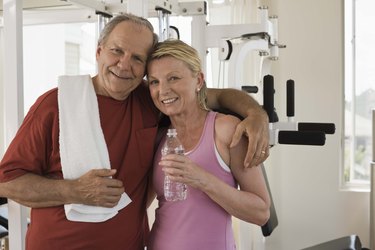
x=98 y=51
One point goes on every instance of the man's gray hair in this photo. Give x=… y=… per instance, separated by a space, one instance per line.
x=126 y=17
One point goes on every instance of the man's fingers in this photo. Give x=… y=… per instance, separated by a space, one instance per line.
x=97 y=188
x=250 y=155
x=110 y=201
x=114 y=183
x=104 y=172
x=261 y=154
x=237 y=136
x=258 y=138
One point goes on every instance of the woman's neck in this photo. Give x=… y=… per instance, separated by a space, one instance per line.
x=189 y=127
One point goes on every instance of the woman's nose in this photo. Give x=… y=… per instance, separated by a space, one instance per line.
x=163 y=88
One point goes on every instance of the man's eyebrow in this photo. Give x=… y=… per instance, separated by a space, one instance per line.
x=142 y=56
x=113 y=44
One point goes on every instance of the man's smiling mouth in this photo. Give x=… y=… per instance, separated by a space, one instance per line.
x=121 y=77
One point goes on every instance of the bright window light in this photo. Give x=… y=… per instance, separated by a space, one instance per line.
x=359 y=92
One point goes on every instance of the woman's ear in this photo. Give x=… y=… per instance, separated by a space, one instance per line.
x=201 y=81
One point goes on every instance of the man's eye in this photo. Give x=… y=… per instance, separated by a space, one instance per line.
x=139 y=59
x=116 y=51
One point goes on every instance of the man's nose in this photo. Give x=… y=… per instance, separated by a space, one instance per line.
x=124 y=61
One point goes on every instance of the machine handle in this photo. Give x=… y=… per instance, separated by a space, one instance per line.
x=314 y=138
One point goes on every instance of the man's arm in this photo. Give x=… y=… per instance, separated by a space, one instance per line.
x=93 y=188
x=255 y=124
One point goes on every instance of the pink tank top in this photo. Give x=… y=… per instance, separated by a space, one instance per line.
x=197 y=223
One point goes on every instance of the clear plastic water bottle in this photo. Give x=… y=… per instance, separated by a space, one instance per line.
x=173 y=191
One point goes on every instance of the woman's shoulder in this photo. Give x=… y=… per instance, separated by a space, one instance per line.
x=227 y=121
x=225 y=126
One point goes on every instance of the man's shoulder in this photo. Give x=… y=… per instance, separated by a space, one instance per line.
x=142 y=89
x=48 y=101
x=143 y=94
x=50 y=96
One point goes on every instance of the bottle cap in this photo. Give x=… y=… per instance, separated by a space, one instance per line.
x=171 y=131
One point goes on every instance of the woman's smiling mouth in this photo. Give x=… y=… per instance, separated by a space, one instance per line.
x=170 y=100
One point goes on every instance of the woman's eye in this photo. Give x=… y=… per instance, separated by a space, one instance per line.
x=152 y=82
x=173 y=78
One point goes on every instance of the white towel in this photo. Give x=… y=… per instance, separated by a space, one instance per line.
x=82 y=144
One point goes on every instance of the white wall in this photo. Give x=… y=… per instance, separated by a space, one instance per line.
x=305 y=179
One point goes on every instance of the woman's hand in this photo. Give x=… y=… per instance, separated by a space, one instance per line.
x=181 y=169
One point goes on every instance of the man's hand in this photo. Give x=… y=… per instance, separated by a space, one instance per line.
x=98 y=189
x=256 y=128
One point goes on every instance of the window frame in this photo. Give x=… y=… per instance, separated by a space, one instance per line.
x=350 y=79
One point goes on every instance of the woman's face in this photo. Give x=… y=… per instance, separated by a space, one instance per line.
x=173 y=86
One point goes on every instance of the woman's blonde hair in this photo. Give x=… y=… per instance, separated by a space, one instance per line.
x=182 y=51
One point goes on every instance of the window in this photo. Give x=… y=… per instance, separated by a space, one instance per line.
x=51 y=50
x=359 y=92
x=71 y=58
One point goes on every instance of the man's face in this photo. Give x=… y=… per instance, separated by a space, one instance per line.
x=122 y=60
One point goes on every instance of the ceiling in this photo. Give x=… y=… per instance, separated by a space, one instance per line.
x=43 y=4
x=55 y=11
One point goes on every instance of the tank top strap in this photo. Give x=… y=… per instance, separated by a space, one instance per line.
x=208 y=134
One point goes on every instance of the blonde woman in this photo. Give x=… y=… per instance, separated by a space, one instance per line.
x=219 y=185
